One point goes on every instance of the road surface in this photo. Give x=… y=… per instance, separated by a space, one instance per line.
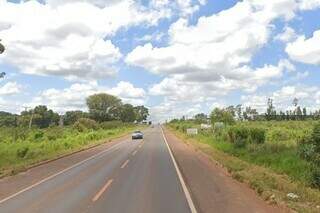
x=130 y=176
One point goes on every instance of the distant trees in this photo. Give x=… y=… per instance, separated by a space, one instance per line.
x=222 y=115
x=127 y=113
x=70 y=117
x=104 y=107
x=7 y=119
x=201 y=118
x=2 y=49
x=40 y=116
x=141 y=112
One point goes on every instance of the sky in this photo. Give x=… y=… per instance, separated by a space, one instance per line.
x=177 y=57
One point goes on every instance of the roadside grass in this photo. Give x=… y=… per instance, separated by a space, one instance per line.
x=273 y=169
x=22 y=148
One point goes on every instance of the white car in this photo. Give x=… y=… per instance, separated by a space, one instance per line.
x=137 y=135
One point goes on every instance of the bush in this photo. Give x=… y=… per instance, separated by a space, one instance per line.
x=306 y=149
x=241 y=135
x=84 y=124
x=111 y=124
x=21 y=152
x=309 y=149
x=238 y=135
x=316 y=176
x=257 y=135
x=38 y=135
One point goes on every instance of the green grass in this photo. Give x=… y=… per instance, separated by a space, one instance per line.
x=278 y=153
x=272 y=169
x=20 y=147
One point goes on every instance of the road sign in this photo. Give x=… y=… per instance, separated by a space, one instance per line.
x=192 y=131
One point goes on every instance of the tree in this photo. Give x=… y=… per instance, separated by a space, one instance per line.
x=239 y=112
x=200 y=118
x=221 y=115
x=142 y=113
x=2 y=48
x=71 y=117
x=299 y=113
x=104 y=107
x=304 y=112
x=271 y=113
x=40 y=117
x=127 y=113
x=7 y=119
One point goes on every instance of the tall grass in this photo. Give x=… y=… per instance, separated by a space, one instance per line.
x=21 y=147
x=279 y=152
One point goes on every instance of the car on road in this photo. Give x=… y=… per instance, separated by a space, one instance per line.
x=137 y=135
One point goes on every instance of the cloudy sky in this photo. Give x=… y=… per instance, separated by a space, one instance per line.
x=178 y=57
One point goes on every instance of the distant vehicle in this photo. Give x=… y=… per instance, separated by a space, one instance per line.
x=137 y=135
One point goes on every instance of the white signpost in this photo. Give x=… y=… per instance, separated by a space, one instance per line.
x=192 y=131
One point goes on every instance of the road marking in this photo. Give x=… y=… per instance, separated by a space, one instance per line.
x=102 y=190
x=61 y=172
x=125 y=163
x=134 y=153
x=183 y=184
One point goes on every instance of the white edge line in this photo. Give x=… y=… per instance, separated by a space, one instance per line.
x=183 y=184
x=59 y=173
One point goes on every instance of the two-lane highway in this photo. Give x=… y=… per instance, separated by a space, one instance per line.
x=131 y=176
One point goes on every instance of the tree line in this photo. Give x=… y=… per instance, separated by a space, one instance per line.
x=232 y=113
x=102 y=107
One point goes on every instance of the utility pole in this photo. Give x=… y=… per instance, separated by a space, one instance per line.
x=61 y=120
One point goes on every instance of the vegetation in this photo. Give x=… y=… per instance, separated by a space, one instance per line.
x=276 y=152
x=22 y=147
x=40 y=133
x=267 y=156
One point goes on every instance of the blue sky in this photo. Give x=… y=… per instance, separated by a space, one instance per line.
x=176 y=57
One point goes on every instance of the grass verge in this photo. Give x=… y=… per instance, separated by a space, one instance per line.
x=19 y=156
x=270 y=185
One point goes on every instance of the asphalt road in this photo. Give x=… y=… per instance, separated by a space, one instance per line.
x=131 y=176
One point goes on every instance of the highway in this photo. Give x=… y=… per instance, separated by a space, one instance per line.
x=130 y=176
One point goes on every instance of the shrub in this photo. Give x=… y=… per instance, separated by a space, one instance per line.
x=38 y=135
x=111 y=124
x=238 y=135
x=316 y=176
x=309 y=149
x=306 y=149
x=21 y=152
x=257 y=135
x=84 y=124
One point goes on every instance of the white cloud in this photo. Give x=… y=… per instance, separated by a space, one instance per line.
x=309 y=4
x=74 y=97
x=287 y=35
x=213 y=57
x=67 y=38
x=218 y=47
x=10 y=88
x=305 y=50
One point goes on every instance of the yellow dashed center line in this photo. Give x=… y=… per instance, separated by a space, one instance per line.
x=124 y=164
x=102 y=190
